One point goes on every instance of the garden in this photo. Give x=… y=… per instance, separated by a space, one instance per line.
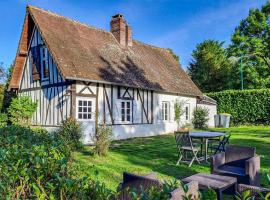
x=37 y=165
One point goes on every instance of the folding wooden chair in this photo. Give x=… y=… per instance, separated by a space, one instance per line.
x=221 y=146
x=185 y=147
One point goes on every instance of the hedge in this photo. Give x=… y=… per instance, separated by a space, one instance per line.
x=245 y=106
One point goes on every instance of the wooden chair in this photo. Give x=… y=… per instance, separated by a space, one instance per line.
x=185 y=147
x=221 y=145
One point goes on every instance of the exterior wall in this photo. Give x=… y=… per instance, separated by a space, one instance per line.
x=159 y=126
x=212 y=112
x=51 y=95
x=146 y=109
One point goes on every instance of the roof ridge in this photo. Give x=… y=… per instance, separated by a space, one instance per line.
x=152 y=46
x=67 y=18
x=89 y=26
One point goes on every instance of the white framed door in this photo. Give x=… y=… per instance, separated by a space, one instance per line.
x=85 y=114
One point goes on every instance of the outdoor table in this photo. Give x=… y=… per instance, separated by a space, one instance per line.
x=216 y=182
x=205 y=136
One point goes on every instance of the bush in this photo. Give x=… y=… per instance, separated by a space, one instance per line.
x=245 y=106
x=102 y=140
x=71 y=132
x=38 y=165
x=178 y=112
x=21 y=110
x=200 y=117
x=3 y=120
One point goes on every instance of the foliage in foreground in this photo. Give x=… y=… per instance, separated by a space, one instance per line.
x=21 y=110
x=245 y=106
x=35 y=165
x=70 y=131
x=200 y=117
x=102 y=140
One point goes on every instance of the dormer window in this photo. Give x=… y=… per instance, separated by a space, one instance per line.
x=44 y=63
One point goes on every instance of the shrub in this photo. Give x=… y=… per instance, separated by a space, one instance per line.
x=37 y=165
x=71 y=132
x=3 y=120
x=178 y=112
x=200 y=117
x=102 y=140
x=245 y=106
x=21 y=110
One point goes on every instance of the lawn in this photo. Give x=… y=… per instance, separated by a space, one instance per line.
x=159 y=154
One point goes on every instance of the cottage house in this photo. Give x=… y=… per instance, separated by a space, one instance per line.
x=96 y=76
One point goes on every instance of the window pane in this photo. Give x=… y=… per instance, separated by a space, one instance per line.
x=123 y=105
x=84 y=116
x=89 y=109
x=128 y=104
x=84 y=109
x=85 y=103
x=123 y=117
x=128 y=117
x=80 y=109
x=89 y=103
x=128 y=111
x=80 y=116
x=80 y=103
x=89 y=116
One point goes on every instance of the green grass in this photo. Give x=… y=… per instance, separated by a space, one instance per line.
x=159 y=154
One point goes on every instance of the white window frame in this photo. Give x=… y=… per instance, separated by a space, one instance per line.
x=165 y=111
x=42 y=59
x=83 y=99
x=124 y=111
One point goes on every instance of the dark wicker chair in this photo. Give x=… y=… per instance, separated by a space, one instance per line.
x=254 y=190
x=240 y=162
x=143 y=183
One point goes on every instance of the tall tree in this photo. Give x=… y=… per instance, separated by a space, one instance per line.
x=251 y=41
x=210 y=68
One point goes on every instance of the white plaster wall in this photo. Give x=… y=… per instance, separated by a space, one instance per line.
x=212 y=112
x=159 y=126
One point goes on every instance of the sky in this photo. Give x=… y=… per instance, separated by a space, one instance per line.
x=176 y=24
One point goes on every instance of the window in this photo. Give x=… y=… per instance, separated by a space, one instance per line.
x=44 y=63
x=165 y=110
x=187 y=112
x=125 y=111
x=84 y=109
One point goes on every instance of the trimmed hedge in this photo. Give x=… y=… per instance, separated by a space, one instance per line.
x=245 y=106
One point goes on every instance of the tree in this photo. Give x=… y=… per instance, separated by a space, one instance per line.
x=251 y=40
x=176 y=57
x=21 y=110
x=7 y=95
x=210 y=67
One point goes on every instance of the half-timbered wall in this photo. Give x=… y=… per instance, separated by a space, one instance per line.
x=146 y=109
x=52 y=94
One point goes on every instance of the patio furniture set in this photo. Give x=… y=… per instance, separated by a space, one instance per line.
x=233 y=168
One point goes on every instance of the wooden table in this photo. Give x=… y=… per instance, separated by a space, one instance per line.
x=216 y=182
x=205 y=136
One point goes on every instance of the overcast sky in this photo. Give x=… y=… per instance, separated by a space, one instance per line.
x=176 y=24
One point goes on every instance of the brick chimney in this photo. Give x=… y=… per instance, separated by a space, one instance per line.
x=121 y=30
